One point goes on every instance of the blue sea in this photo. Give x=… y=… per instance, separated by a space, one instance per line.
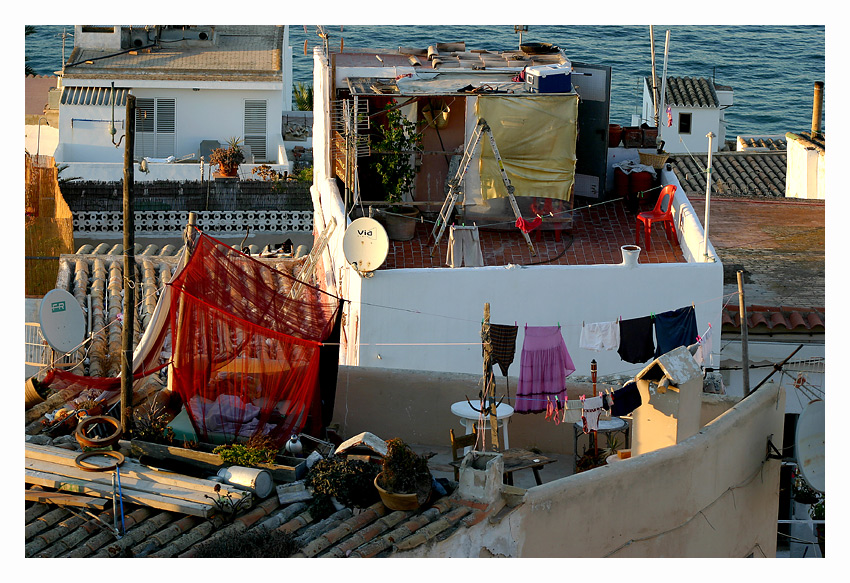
x=772 y=69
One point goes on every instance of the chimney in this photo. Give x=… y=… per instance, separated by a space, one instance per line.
x=817 y=110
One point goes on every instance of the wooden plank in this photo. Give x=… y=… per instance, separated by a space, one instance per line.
x=65 y=499
x=130 y=496
x=133 y=470
x=212 y=462
x=127 y=483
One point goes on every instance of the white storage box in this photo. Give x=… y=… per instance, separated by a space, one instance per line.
x=549 y=78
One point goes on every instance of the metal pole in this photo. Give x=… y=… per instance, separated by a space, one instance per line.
x=489 y=388
x=664 y=81
x=710 y=136
x=595 y=435
x=654 y=80
x=129 y=263
x=745 y=352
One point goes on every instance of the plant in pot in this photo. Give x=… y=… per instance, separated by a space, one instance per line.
x=404 y=482
x=398 y=141
x=228 y=158
x=349 y=481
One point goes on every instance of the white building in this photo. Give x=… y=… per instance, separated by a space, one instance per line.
x=696 y=107
x=417 y=314
x=192 y=84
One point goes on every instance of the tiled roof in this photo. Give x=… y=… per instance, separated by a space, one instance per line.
x=776 y=320
x=776 y=143
x=750 y=174
x=688 y=92
x=238 y=53
x=808 y=139
x=54 y=531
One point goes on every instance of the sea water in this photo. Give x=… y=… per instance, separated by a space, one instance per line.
x=772 y=69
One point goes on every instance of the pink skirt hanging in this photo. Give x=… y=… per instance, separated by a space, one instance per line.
x=544 y=366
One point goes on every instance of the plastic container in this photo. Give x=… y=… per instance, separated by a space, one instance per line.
x=549 y=78
x=639 y=182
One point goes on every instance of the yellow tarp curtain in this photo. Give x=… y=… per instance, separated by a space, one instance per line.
x=536 y=137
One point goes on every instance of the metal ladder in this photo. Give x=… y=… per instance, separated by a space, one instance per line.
x=456 y=185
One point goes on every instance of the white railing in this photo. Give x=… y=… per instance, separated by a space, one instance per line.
x=172 y=223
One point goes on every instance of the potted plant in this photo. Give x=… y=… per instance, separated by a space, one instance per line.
x=349 y=481
x=404 y=482
x=228 y=158
x=398 y=141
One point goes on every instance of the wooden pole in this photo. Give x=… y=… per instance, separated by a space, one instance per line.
x=489 y=384
x=745 y=351
x=595 y=435
x=129 y=264
x=654 y=77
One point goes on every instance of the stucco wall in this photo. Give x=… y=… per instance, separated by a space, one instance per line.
x=714 y=495
x=805 y=177
x=423 y=401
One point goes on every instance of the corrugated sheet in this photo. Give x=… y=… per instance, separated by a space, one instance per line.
x=94 y=96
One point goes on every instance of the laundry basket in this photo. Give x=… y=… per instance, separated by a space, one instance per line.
x=655 y=160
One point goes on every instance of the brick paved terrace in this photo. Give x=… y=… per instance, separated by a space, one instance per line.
x=595 y=237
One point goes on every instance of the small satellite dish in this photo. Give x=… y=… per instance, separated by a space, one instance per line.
x=809 y=444
x=63 y=323
x=365 y=244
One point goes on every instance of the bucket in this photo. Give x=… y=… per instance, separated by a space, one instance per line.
x=258 y=481
x=630 y=255
x=621 y=182
x=615 y=134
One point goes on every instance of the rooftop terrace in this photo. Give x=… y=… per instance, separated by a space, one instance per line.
x=598 y=231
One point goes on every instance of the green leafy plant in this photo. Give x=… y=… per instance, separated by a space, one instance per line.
x=399 y=139
x=351 y=482
x=590 y=459
x=257 y=450
x=404 y=471
x=228 y=158
x=303 y=96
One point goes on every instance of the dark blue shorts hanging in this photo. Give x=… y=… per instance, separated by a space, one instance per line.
x=675 y=328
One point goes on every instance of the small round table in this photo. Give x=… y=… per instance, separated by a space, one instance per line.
x=468 y=417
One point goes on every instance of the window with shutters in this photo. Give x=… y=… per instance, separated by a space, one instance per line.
x=255 y=129
x=155 y=127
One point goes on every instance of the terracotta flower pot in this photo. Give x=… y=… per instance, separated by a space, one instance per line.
x=395 y=501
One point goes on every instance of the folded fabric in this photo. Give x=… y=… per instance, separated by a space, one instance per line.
x=675 y=328
x=544 y=367
x=626 y=399
x=600 y=336
x=528 y=226
x=636 y=340
x=503 y=345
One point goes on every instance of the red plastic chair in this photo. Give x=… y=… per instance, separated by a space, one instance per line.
x=657 y=215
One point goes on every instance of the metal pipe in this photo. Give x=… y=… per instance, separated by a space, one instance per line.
x=817 y=110
x=664 y=80
x=710 y=136
x=654 y=81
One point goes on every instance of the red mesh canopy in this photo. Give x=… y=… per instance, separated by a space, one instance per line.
x=246 y=353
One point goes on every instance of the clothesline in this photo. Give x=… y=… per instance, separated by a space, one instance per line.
x=479 y=321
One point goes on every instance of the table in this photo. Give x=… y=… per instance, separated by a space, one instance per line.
x=613 y=425
x=515 y=460
x=468 y=417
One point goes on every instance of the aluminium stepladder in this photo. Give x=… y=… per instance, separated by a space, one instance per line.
x=456 y=185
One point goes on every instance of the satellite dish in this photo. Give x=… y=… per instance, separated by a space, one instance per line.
x=365 y=244
x=63 y=324
x=809 y=444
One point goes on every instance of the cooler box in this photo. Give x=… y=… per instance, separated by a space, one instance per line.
x=549 y=78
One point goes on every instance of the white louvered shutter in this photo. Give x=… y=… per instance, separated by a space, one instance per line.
x=165 y=127
x=145 y=128
x=255 y=128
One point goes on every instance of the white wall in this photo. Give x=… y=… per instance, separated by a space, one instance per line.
x=703 y=121
x=806 y=173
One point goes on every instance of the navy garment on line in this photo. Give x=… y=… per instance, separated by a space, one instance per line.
x=636 y=340
x=675 y=328
x=626 y=400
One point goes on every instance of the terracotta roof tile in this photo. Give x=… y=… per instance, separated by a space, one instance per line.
x=776 y=319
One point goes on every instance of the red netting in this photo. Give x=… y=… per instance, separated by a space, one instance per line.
x=246 y=354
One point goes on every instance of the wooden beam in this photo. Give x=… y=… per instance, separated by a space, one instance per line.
x=48 y=480
x=66 y=499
